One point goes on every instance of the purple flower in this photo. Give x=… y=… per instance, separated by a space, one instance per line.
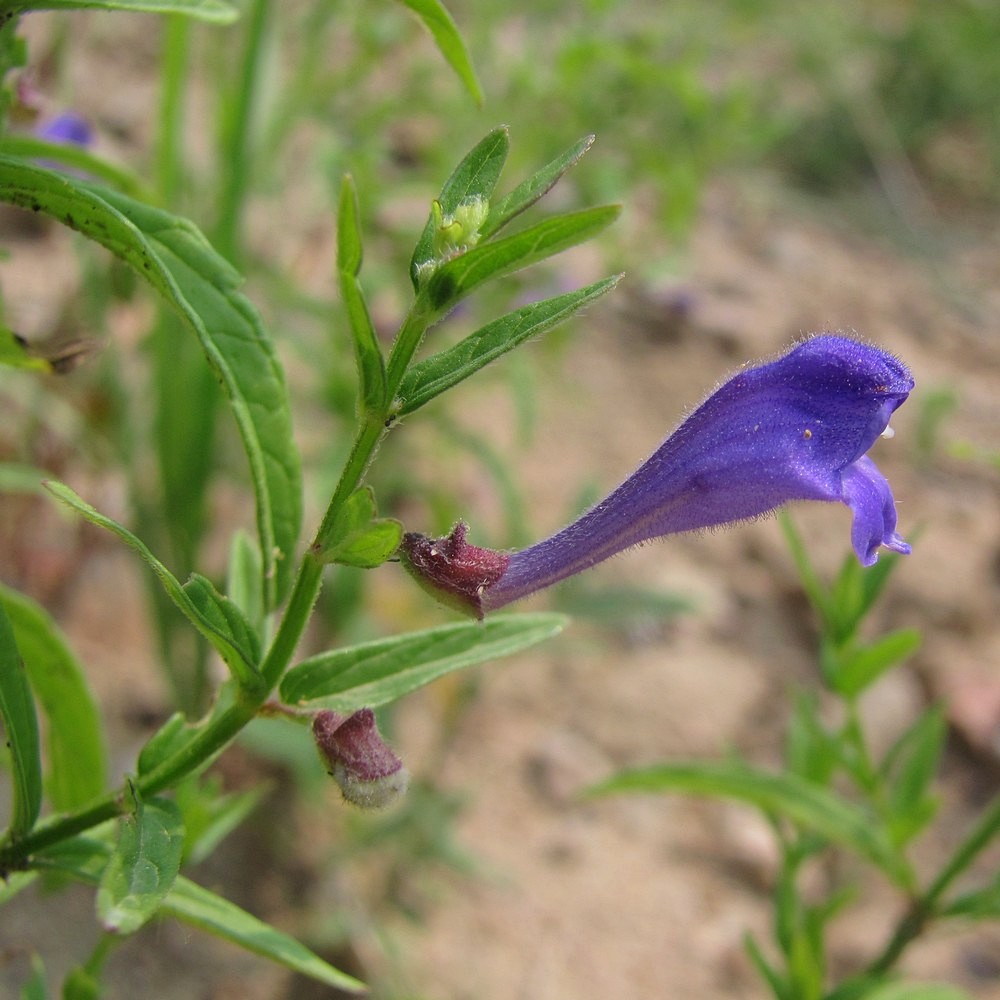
x=66 y=128
x=796 y=428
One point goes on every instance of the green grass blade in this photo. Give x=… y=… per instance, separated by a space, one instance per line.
x=171 y=254
x=379 y=672
x=76 y=757
x=864 y=666
x=201 y=908
x=446 y=369
x=143 y=866
x=446 y=36
x=20 y=728
x=807 y=805
x=216 y=11
x=537 y=186
x=456 y=278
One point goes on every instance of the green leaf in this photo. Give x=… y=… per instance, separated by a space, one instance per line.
x=20 y=724
x=225 y=617
x=537 y=186
x=14 y=353
x=197 y=906
x=810 y=751
x=173 y=255
x=70 y=155
x=371 y=364
x=165 y=742
x=357 y=536
x=910 y=767
x=439 y=23
x=243 y=668
x=81 y=984
x=765 y=970
x=456 y=278
x=474 y=178
x=211 y=815
x=861 y=668
x=76 y=758
x=216 y=11
x=376 y=673
x=36 y=987
x=143 y=866
x=807 y=805
x=442 y=371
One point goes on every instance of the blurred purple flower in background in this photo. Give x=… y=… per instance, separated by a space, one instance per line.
x=66 y=128
x=796 y=428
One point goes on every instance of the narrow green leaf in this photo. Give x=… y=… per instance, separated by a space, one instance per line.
x=197 y=906
x=475 y=177
x=225 y=617
x=243 y=669
x=371 y=364
x=36 y=988
x=537 y=186
x=143 y=866
x=70 y=155
x=76 y=758
x=456 y=278
x=981 y=904
x=210 y=816
x=785 y=795
x=164 y=743
x=442 y=371
x=863 y=667
x=81 y=984
x=765 y=970
x=216 y=11
x=439 y=23
x=14 y=353
x=379 y=672
x=910 y=767
x=20 y=725
x=173 y=255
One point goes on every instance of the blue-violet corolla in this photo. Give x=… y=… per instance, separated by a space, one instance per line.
x=796 y=428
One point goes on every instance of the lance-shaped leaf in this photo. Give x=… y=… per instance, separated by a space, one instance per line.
x=438 y=373
x=376 y=673
x=76 y=758
x=142 y=867
x=371 y=365
x=456 y=278
x=357 y=536
x=244 y=668
x=783 y=795
x=173 y=255
x=439 y=23
x=201 y=908
x=474 y=179
x=20 y=725
x=536 y=186
x=225 y=617
x=77 y=157
x=217 y=11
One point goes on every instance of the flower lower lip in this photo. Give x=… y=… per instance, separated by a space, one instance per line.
x=888 y=432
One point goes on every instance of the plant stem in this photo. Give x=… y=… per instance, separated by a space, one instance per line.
x=171 y=120
x=925 y=908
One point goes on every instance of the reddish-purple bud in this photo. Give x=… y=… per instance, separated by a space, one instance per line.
x=452 y=570
x=369 y=774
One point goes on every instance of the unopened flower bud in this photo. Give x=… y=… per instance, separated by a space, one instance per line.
x=369 y=774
